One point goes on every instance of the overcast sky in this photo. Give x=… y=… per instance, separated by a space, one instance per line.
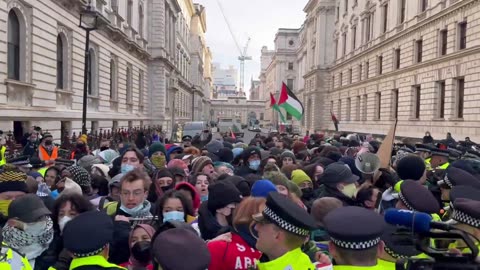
x=257 y=19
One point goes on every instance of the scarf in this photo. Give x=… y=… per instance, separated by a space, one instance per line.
x=141 y=212
x=150 y=231
x=30 y=245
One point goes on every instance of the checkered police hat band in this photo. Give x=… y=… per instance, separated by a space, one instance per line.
x=284 y=224
x=447 y=181
x=466 y=219
x=404 y=201
x=356 y=245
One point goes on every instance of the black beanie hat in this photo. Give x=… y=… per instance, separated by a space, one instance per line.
x=250 y=151
x=411 y=167
x=225 y=155
x=241 y=184
x=221 y=194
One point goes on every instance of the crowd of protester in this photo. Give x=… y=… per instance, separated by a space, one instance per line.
x=276 y=202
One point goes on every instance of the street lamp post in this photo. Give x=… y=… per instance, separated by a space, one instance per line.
x=193 y=103
x=88 y=22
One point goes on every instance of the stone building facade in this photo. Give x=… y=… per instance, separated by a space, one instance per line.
x=414 y=61
x=42 y=64
x=237 y=108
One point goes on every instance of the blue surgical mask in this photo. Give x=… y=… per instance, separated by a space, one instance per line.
x=173 y=215
x=127 y=168
x=204 y=198
x=254 y=164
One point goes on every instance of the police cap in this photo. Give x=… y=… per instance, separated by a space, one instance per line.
x=399 y=242
x=88 y=233
x=186 y=138
x=417 y=197
x=354 y=227
x=466 y=211
x=287 y=215
x=458 y=177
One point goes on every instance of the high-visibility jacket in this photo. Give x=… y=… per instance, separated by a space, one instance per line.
x=3 y=160
x=43 y=154
x=444 y=166
x=294 y=259
x=13 y=260
x=381 y=265
x=95 y=262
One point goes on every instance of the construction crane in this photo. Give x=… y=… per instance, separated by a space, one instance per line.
x=243 y=53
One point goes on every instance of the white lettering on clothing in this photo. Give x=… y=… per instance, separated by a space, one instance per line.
x=241 y=248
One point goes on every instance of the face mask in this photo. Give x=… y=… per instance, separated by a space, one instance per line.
x=158 y=161
x=36 y=228
x=204 y=198
x=350 y=190
x=103 y=148
x=4 y=206
x=165 y=188
x=131 y=211
x=63 y=221
x=141 y=252
x=173 y=215
x=254 y=164
x=307 y=193
x=48 y=143
x=127 y=168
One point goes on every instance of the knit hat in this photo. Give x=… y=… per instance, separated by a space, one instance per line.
x=298 y=146
x=277 y=178
x=220 y=164
x=156 y=147
x=289 y=154
x=241 y=184
x=83 y=138
x=80 y=175
x=46 y=135
x=193 y=191
x=214 y=146
x=293 y=188
x=225 y=155
x=12 y=180
x=180 y=249
x=103 y=168
x=299 y=176
x=411 y=167
x=177 y=163
x=250 y=151
x=71 y=188
x=276 y=151
x=221 y=194
x=199 y=163
x=87 y=162
x=261 y=188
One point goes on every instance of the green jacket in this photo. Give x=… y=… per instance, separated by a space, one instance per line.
x=292 y=260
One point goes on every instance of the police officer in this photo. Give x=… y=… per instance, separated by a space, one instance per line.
x=187 y=141
x=11 y=259
x=456 y=177
x=424 y=151
x=399 y=244
x=466 y=216
x=87 y=237
x=471 y=155
x=439 y=159
x=355 y=238
x=415 y=197
x=282 y=228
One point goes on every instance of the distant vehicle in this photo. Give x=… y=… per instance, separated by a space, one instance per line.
x=256 y=129
x=228 y=125
x=195 y=128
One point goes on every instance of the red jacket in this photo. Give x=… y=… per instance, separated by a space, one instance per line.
x=236 y=255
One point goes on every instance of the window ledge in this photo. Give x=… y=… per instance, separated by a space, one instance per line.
x=93 y=97
x=19 y=83
x=438 y=119
x=130 y=103
x=114 y=101
x=64 y=91
x=456 y=119
x=413 y=119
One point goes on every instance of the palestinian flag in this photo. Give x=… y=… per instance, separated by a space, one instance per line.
x=335 y=120
x=273 y=104
x=290 y=103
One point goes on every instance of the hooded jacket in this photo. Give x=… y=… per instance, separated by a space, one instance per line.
x=208 y=224
x=193 y=191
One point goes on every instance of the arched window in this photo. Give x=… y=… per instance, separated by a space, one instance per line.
x=113 y=80
x=92 y=72
x=60 y=60
x=140 y=21
x=13 y=46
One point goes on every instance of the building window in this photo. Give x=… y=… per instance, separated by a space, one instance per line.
x=385 y=18
x=443 y=42
x=344 y=44
x=349 y=105
x=350 y=76
x=129 y=85
x=141 y=18
x=113 y=80
x=290 y=65
x=423 y=5
x=341 y=78
x=262 y=116
x=364 y=107
x=290 y=84
x=360 y=71
x=60 y=63
x=357 y=109
x=418 y=51
x=339 y=109
x=416 y=103
x=368 y=27
x=141 y=88
x=403 y=4
x=378 y=105
x=367 y=67
x=396 y=63
x=441 y=99
x=92 y=72
x=345 y=10
x=460 y=84
x=13 y=46
x=380 y=65
x=395 y=104
x=354 y=37
x=338 y=13
x=462 y=35
x=333 y=81
x=336 y=49
x=129 y=12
